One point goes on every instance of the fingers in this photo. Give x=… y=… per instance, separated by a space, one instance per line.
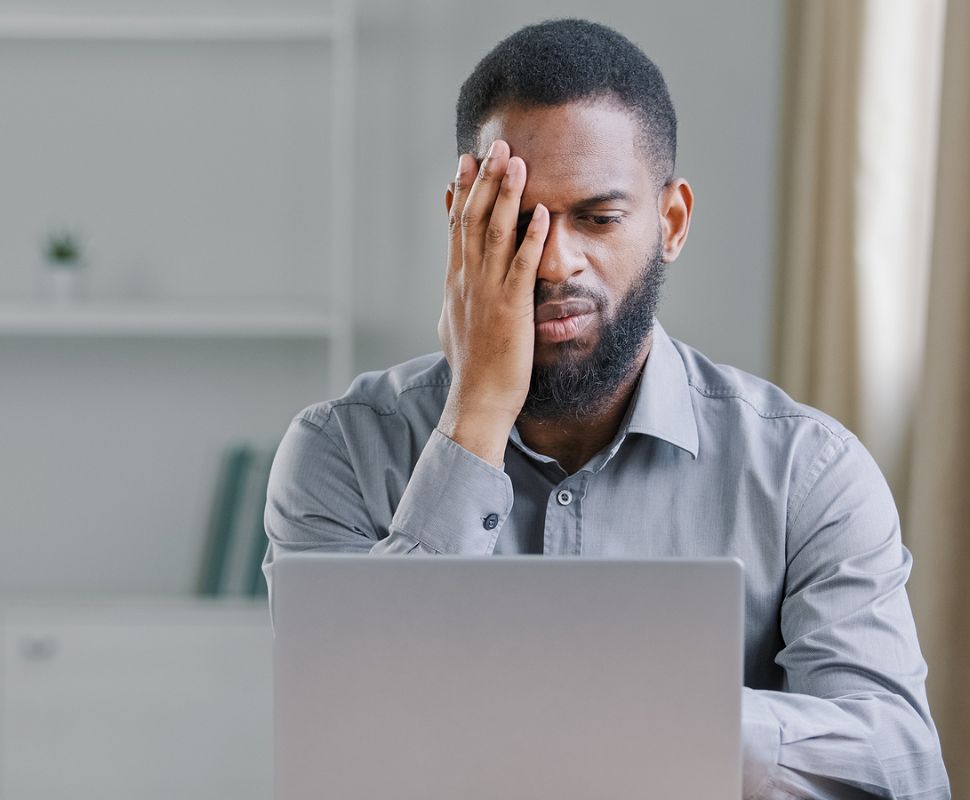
x=483 y=217
x=459 y=190
x=521 y=276
x=477 y=210
x=500 y=234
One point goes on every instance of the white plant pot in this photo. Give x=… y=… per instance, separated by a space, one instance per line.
x=64 y=283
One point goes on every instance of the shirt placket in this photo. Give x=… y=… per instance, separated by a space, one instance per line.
x=563 y=533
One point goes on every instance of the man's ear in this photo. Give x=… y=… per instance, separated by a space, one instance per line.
x=449 y=197
x=675 y=205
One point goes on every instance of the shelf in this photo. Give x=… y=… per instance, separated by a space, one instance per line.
x=32 y=318
x=129 y=606
x=165 y=28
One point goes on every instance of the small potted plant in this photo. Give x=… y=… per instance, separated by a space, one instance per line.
x=64 y=258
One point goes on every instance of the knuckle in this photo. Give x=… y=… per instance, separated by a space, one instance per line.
x=494 y=235
x=513 y=280
x=454 y=223
x=469 y=220
x=519 y=263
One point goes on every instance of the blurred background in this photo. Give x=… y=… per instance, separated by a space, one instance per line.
x=214 y=213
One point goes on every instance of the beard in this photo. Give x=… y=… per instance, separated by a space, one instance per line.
x=571 y=387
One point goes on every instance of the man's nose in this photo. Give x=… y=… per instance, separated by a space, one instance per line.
x=562 y=256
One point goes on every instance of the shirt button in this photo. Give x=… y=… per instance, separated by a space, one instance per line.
x=564 y=497
x=490 y=521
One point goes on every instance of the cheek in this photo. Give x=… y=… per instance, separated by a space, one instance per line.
x=619 y=255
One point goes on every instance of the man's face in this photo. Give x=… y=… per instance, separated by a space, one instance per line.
x=603 y=254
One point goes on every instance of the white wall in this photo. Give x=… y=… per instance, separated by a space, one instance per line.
x=107 y=450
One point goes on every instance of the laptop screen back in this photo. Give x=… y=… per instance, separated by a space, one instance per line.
x=445 y=678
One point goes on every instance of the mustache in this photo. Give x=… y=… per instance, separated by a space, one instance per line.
x=546 y=292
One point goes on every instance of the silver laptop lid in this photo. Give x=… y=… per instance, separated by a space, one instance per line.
x=446 y=678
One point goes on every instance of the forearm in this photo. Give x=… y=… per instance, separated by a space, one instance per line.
x=861 y=746
x=853 y=720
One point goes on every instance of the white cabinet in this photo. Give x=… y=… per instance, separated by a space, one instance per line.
x=142 y=700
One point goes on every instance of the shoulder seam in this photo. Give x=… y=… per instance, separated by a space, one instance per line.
x=381 y=412
x=732 y=394
x=432 y=384
x=337 y=441
x=387 y=412
x=318 y=428
x=823 y=456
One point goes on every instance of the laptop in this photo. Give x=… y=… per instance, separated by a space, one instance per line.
x=506 y=678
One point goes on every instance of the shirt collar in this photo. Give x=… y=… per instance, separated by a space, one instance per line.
x=662 y=403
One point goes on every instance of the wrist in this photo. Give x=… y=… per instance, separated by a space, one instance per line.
x=481 y=430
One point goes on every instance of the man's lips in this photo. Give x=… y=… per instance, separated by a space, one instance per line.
x=565 y=308
x=560 y=322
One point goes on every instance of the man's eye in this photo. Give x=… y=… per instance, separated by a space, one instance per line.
x=604 y=220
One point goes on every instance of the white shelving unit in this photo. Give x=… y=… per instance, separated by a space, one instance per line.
x=159 y=28
x=205 y=158
x=335 y=30
x=163 y=320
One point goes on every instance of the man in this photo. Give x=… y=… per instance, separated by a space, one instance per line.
x=562 y=419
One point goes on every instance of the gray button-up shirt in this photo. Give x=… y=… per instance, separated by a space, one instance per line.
x=709 y=461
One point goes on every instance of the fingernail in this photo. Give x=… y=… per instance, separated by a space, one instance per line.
x=491 y=149
x=459 y=166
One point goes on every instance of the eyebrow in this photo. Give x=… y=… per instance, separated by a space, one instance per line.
x=597 y=199
x=586 y=202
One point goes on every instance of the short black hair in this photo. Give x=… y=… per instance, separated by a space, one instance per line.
x=566 y=60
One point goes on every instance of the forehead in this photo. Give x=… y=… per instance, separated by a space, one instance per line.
x=576 y=149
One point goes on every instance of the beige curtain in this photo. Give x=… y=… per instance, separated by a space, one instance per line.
x=817 y=352
x=939 y=504
x=859 y=154
x=873 y=321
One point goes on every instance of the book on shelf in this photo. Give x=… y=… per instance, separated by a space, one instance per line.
x=232 y=564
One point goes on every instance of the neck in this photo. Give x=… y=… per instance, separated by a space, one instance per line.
x=572 y=442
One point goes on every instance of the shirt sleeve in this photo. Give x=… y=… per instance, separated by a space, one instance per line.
x=454 y=502
x=853 y=719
